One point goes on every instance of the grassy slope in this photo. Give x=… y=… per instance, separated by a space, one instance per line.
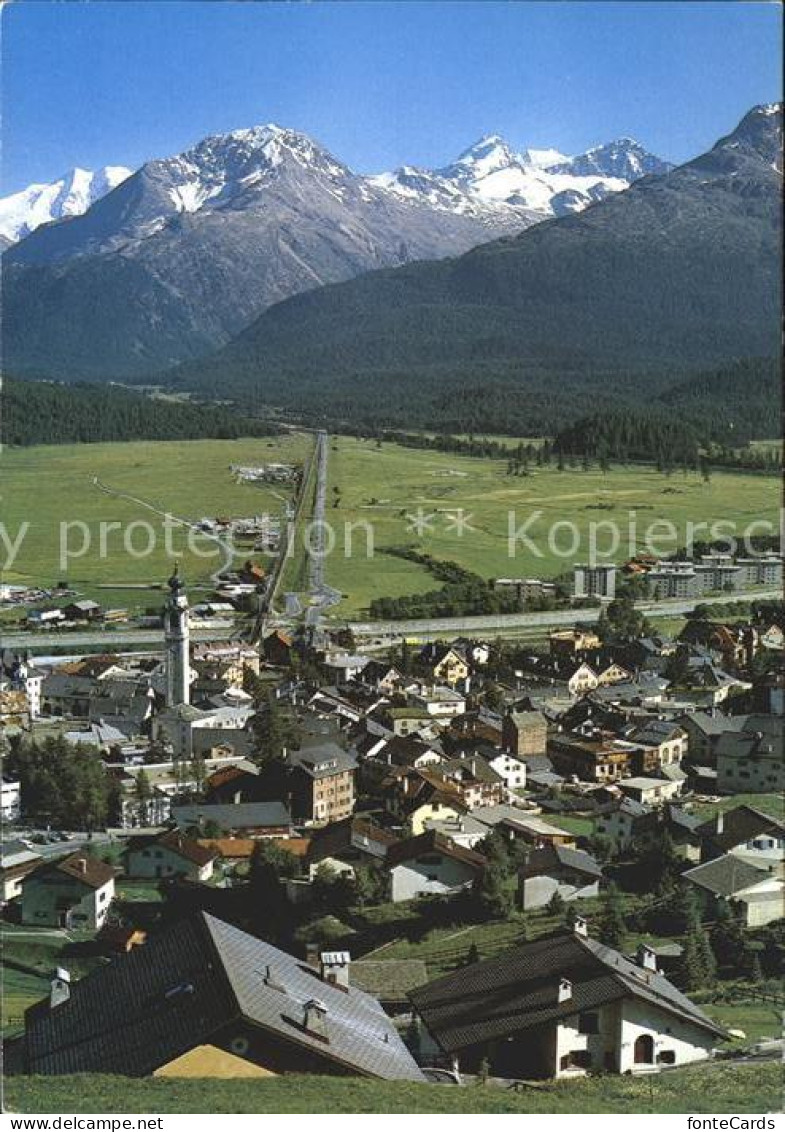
x=48 y=485
x=400 y=480
x=706 y=1089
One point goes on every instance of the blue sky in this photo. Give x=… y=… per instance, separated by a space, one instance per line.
x=117 y=82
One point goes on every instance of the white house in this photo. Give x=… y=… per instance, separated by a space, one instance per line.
x=11 y=804
x=430 y=864
x=440 y=702
x=571 y=1006
x=169 y=854
x=509 y=768
x=757 y=894
x=72 y=892
x=650 y=791
x=748 y=834
x=555 y=869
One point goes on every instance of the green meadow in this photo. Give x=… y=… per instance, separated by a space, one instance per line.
x=719 y=1088
x=49 y=486
x=460 y=508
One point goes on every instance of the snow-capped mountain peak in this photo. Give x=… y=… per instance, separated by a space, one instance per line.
x=70 y=195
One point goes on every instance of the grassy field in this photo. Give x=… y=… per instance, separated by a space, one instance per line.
x=46 y=486
x=720 y=1088
x=19 y=990
x=383 y=486
x=773 y=804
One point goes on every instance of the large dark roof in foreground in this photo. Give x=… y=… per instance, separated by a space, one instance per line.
x=185 y=985
x=517 y=991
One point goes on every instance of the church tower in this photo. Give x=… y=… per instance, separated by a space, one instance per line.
x=176 y=643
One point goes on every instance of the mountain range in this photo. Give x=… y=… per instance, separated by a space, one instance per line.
x=679 y=273
x=70 y=195
x=116 y=274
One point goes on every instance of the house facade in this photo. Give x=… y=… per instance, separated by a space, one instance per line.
x=431 y=865
x=74 y=892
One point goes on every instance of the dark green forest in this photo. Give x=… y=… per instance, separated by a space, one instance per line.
x=42 y=412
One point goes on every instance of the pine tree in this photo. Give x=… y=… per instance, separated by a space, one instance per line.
x=612 y=927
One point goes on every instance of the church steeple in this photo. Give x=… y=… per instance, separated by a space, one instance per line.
x=176 y=642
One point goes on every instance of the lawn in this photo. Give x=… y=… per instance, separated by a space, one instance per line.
x=19 y=990
x=721 y=1088
x=47 y=486
x=757 y=1020
x=462 y=506
x=773 y=804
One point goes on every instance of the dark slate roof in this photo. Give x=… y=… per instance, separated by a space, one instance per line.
x=540 y=862
x=517 y=991
x=240 y=815
x=726 y=875
x=433 y=842
x=159 y=1001
x=322 y=760
x=738 y=825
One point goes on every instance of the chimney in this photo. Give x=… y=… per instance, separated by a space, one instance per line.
x=81 y=864
x=315 y=1017
x=565 y=991
x=646 y=958
x=312 y=955
x=334 y=968
x=60 y=988
x=720 y=825
x=580 y=926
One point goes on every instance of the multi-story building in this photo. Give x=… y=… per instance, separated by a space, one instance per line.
x=598 y=580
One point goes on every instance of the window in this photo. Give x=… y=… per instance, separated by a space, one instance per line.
x=666 y=1057
x=576 y=1059
x=589 y=1022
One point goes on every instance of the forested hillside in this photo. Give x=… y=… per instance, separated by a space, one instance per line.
x=40 y=412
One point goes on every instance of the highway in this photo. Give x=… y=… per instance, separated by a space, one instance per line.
x=107 y=639
x=510 y=622
x=322 y=596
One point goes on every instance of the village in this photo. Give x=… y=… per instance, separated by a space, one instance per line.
x=458 y=861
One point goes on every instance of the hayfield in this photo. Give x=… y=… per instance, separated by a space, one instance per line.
x=460 y=508
x=47 y=486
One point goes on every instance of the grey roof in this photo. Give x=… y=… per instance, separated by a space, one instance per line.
x=516 y=991
x=654 y=732
x=321 y=760
x=188 y=983
x=726 y=875
x=540 y=862
x=240 y=815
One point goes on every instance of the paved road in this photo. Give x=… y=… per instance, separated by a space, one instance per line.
x=107 y=638
x=506 y=622
x=322 y=596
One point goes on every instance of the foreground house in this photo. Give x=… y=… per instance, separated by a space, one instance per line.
x=73 y=892
x=561 y=1006
x=204 y=999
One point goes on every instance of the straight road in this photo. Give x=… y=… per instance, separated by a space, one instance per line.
x=501 y=622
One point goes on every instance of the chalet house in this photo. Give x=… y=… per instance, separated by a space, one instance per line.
x=596 y=758
x=408 y=750
x=248 y=819
x=475 y=779
x=561 y=1006
x=747 y=833
x=751 y=761
x=446 y=664
x=344 y=844
x=204 y=999
x=510 y=769
x=234 y=660
x=16 y=862
x=72 y=892
x=612 y=674
x=581 y=679
x=664 y=743
x=571 y=873
x=756 y=895
x=440 y=702
x=524 y=733
x=277 y=648
x=650 y=791
x=430 y=865
x=169 y=854
x=384 y=678
x=517 y=825
x=630 y=823
x=570 y=642
x=410 y=719
x=413 y=796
